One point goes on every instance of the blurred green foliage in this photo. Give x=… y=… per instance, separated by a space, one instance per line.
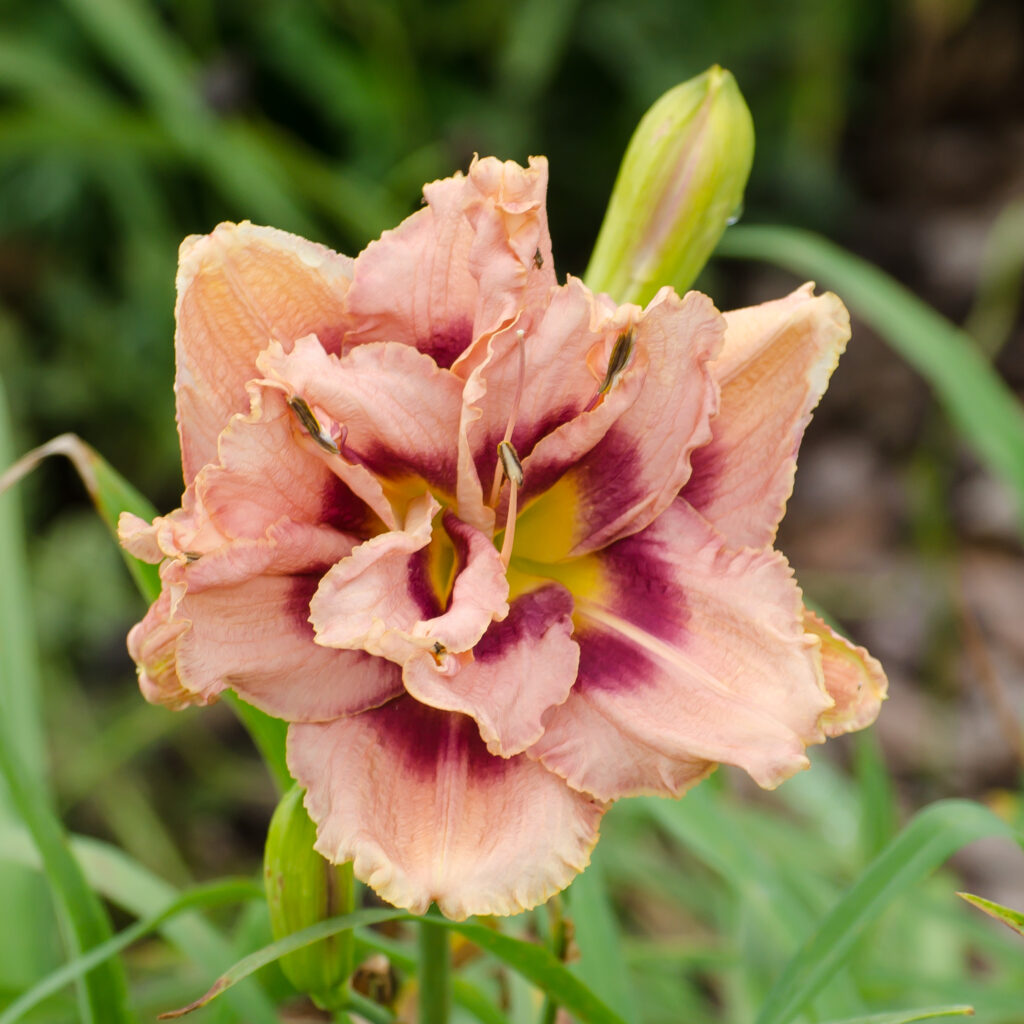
x=126 y=125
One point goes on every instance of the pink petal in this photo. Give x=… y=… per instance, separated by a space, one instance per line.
x=396 y=413
x=694 y=652
x=411 y=795
x=547 y=376
x=636 y=469
x=153 y=644
x=379 y=599
x=239 y=288
x=268 y=468
x=519 y=669
x=854 y=680
x=459 y=269
x=773 y=370
x=255 y=638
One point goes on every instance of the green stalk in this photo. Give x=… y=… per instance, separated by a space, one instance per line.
x=434 y=974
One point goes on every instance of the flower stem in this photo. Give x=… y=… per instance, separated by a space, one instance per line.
x=558 y=940
x=434 y=974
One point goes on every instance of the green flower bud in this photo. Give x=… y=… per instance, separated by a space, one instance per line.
x=680 y=183
x=302 y=889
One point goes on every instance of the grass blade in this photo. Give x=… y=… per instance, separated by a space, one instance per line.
x=212 y=894
x=533 y=962
x=602 y=966
x=133 y=887
x=931 y=837
x=103 y=995
x=1013 y=919
x=976 y=399
x=908 y=1016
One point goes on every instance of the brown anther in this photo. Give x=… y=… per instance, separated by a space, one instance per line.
x=617 y=361
x=192 y=556
x=538 y=260
x=308 y=419
x=438 y=651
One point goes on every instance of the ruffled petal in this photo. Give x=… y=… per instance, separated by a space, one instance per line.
x=269 y=470
x=238 y=288
x=690 y=650
x=380 y=599
x=254 y=637
x=636 y=469
x=519 y=669
x=457 y=270
x=546 y=381
x=411 y=796
x=854 y=679
x=153 y=645
x=384 y=405
x=773 y=370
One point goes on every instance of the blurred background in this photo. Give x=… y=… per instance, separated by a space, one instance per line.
x=894 y=127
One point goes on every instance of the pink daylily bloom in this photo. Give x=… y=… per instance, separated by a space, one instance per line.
x=499 y=549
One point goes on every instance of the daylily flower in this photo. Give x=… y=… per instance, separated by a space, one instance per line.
x=499 y=549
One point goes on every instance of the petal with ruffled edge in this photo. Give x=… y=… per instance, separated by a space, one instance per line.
x=397 y=414
x=380 y=598
x=773 y=370
x=153 y=645
x=854 y=679
x=255 y=637
x=459 y=269
x=238 y=288
x=520 y=667
x=692 y=653
x=268 y=469
x=411 y=796
x=635 y=471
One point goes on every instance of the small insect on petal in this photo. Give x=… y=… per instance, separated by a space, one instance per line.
x=510 y=462
x=301 y=408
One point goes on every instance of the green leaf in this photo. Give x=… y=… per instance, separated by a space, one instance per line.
x=1011 y=918
x=533 y=962
x=908 y=1016
x=976 y=399
x=602 y=965
x=103 y=996
x=109 y=491
x=133 y=887
x=929 y=839
x=212 y=894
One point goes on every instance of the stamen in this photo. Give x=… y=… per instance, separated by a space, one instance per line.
x=510 y=426
x=617 y=362
x=510 y=462
x=308 y=419
x=508 y=459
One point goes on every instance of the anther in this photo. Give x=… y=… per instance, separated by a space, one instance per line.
x=510 y=425
x=508 y=458
x=192 y=556
x=617 y=362
x=510 y=462
x=308 y=419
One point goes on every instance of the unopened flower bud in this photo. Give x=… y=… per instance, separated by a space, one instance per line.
x=302 y=889
x=680 y=183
